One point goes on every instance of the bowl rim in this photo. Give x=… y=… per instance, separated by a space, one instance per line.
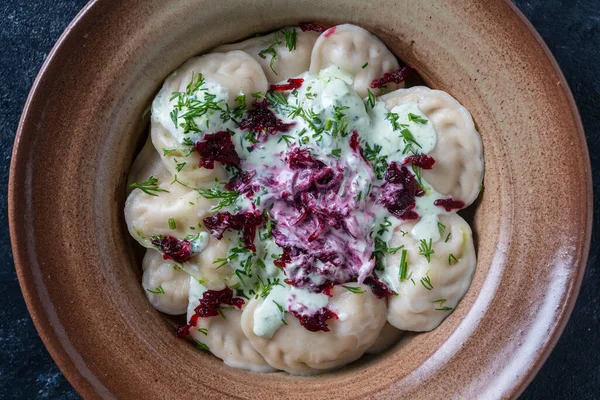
x=61 y=356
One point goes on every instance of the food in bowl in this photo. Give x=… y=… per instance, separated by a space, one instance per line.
x=299 y=204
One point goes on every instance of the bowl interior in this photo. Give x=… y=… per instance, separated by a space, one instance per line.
x=87 y=115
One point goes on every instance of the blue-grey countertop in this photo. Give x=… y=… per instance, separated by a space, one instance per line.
x=28 y=30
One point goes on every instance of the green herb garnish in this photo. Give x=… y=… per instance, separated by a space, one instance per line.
x=425 y=249
x=157 y=290
x=426 y=281
x=149 y=187
x=226 y=197
x=416 y=118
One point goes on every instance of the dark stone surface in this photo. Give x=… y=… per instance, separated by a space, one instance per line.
x=28 y=30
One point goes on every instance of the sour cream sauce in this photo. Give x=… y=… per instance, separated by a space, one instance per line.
x=325 y=98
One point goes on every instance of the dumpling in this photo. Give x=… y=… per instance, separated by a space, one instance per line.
x=225 y=339
x=299 y=351
x=225 y=75
x=148 y=215
x=458 y=153
x=286 y=64
x=388 y=336
x=213 y=276
x=167 y=287
x=182 y=160
x=145 y=165
x=432 y=289
x=234 y=71
x=357 y=51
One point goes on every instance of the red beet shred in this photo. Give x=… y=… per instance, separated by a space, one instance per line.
x=420 y=160
x=379 y=288
x=242 y=183
x=399 y=191
x=209 y=307
x=173 y=248
x=329 y=31
x=449 y=204
x=317 y=321
x=217 y=147
x=396 y=76
x=247 y=222
x=293 y=83
x=309 y=26
x=263 y=122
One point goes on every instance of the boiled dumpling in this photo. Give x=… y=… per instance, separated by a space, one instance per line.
x=458 y=154
x=213 y=275
x=145 y=165
x=226 y=75
x=299 y=351
x=388 y=336
x=224 y=337
x=286 y=64
x=234 y=71
x=166 y=285
x=432 y=289
x=147 y=215
x=357 y=51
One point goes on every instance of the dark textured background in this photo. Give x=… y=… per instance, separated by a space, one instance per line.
x=28 y=30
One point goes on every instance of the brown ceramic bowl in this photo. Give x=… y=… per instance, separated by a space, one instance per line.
x=84 y=121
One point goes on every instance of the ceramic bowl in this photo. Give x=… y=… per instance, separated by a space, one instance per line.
x=86 y=117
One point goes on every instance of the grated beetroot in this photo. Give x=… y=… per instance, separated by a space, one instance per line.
x=241 y=183
x=449 y=204
x=247 y=222
x=293 y=83
x=309 y=26
x=329 y=31
x=209 y=307
x=317 y=321
x=263 y=122
x=399 y=191
x=355 y=141
x=173 y=248
x=420 y=160
x=217 y=147
x=305 y=264
x=396 y=76
x=299 y=157
x=379 y=288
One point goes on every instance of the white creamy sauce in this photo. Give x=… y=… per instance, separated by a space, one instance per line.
x=200 y=242
x=196 y=290
x=427 y=228
x=327 y=95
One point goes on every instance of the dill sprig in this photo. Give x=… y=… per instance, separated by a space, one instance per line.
x=370 y=99
x=378 y=162
x=266 y=289
x=441 y=228
x=149 y=186
x=157 y=290
x=226 y=197
x=353 y=289
x=426 y=281
x=416 y=118
x=290 y=38
x=425 y=249
x=383 y=227
x=451 y=259
x=441 y=306
x=189 y=106
x=403 y=266
x=201 y=346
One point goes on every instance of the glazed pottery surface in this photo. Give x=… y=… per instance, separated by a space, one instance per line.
x=86 y=117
